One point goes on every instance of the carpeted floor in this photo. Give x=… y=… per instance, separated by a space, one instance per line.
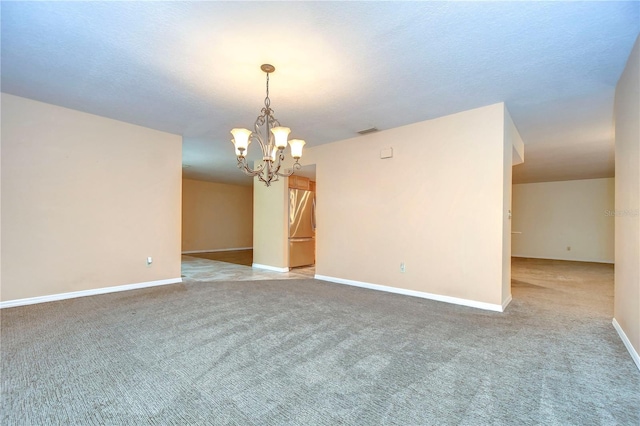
x=304 y=352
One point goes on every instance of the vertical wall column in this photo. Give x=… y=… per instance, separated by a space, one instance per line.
x=626 y=310
x=513 y=154
x=270 y=233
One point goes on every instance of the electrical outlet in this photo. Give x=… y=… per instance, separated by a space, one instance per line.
x=402 y=267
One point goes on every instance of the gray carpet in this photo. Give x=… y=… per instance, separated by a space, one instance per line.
x=304 y=352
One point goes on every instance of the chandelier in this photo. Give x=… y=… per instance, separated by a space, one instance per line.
x=272 y=138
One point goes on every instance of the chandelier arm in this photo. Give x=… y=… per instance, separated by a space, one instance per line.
x=269 y=179
x=257 y=135
x=275 y=167
x=251 y=173
x=292 y=170
x=242 y=165
x=261 y=119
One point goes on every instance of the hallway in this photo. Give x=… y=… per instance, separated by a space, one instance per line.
x=233 y=266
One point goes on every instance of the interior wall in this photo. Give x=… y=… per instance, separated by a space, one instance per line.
x=216 y=216
x=627 y=204
x=270 y=225
x=513 y=154
x=553 y=216
x=85 y=201
x=0 y=204
x=437 y=206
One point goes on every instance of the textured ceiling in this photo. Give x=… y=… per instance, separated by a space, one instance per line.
x=192 y=68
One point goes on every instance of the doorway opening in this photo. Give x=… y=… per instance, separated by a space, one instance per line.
x=302 y=223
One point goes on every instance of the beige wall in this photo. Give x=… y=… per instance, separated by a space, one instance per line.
x=216 y=216
x=552 y=216
x=513 y=154
x=438 y=206
x=270 y=225
x=85 y=200
x=627 y=246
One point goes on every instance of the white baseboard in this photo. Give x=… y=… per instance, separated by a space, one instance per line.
x=560 y=258
x=431 y=296
x=627 y=343
x=269 y=268
x=216 y=250
x=82 y=293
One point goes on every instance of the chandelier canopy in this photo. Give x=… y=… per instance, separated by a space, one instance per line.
x=272 y=138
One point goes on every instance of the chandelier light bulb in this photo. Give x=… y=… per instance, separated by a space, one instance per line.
x=239 y=154
x=281 y=134
x=241 y=139
x=296 y=148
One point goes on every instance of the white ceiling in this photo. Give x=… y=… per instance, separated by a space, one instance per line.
x=192 y=68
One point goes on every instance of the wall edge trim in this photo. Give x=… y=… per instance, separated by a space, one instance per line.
x=269 y=268
x=216 y=250
x=627 y=343
x=83 y=293
x=610 y=262
x=414 y=293
x=506 y=303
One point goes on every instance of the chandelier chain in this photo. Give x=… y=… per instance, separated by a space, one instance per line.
x=267 y=101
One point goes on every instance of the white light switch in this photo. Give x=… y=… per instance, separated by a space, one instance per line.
x=149 y=260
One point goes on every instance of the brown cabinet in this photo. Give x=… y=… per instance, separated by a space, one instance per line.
x=299 y=182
